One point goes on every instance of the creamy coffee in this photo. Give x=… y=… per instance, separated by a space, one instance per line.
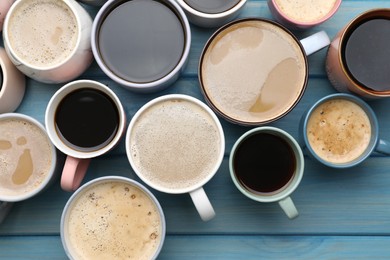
x=253 y=71
x=25 y=157
x=43 y=33
x=175 y=144
x=305 y=11
x=339 y=131
x=113 y=220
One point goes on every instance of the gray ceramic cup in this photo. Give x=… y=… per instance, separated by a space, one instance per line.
x=142 y=45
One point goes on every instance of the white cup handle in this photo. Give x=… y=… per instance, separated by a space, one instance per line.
x=315 y=42
x=289 y=208
x=4 y=209
x=202 y=204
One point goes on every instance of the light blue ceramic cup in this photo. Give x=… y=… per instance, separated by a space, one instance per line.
x=375 y=144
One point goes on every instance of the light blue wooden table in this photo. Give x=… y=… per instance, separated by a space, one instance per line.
x=344 y=214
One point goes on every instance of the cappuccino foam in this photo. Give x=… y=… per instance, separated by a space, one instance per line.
x=253 y=71
x=25 y=157
x=43 y=33
x=175 y=144
x=304 y=10
x=339 y=131
x=113 y=220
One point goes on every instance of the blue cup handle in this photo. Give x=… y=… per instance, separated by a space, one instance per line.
x=383 y=147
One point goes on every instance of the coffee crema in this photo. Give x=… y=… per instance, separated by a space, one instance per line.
x=339 y=131
x=43 y=33
x=25 y=157
x=253 y=71
x=113 y=220
x=175 y=144
x=305 y=11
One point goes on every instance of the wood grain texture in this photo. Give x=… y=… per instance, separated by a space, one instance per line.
x=344 y=214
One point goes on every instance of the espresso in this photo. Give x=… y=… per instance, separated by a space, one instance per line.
x=366 y=53
x=264 y=163
x=25 y=157
x=339 y=131
x=305 y=11
x=141 y=40
x=212 y=7
x=43 y=33
x=113 y=220
x=87 y=119
x=175 y=144
x=253 y=71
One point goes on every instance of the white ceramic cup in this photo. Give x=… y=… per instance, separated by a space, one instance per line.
x=285 y=188
x=108 y=222
x=72 y=64
x=78 y=158
x=156 y=149
x=12 y=84
x=199 y=15
x=24 y=183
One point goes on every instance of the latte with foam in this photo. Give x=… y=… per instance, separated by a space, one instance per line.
x=253 y=72
x=113 y=220
x=25 y=157
x=339 y=131
x=43 y=33
x=175 y=144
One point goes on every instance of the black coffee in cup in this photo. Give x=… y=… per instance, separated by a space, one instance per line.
x=212 y=7
x=87 y=119
x=264 y=163
x=366 y=53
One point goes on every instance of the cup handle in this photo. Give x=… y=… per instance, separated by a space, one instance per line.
x=315 y=42
x=4 y=209
x=383 y=147
x=202 y=204
x=73 y=173
x=289 y=208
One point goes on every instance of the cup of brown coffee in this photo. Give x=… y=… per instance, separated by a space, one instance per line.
x=29 y=162
x=341 y=131
x=175 y=144
x=359 y=53
x=266 y=164
x=48 y=40
x=112 y=217
x=254 y=71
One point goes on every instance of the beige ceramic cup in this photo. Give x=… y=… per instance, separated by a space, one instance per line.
x=12 y=84
x=55 y=49
x=4 y=7
x=363 y=41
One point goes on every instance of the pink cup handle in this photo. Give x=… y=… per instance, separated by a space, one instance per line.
x=73 y=173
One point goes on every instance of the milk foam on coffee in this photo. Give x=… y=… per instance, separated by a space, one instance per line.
x=253 y=71
x=175 y=144
x=43 y=33
x=339 y=131
x=113 y=220
x=25 y=157
x=304 y=10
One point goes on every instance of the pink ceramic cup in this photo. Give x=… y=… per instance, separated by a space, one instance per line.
x=298 y=14
x=4 y=7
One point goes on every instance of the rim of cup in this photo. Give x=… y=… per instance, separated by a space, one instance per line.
x=53 y=166
x=51 y=112
x=374 y=129
x=103 y=179
x=71 y=54
x=140 y=86
x=201 y=105
x=228 y=12
x=293 y=183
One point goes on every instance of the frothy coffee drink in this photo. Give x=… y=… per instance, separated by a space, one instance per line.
x=339 y=131
x=253 y=71
x=175 y=144
x=25 y=157
x=113 y=220
x=305 y=11
x=43 y=33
